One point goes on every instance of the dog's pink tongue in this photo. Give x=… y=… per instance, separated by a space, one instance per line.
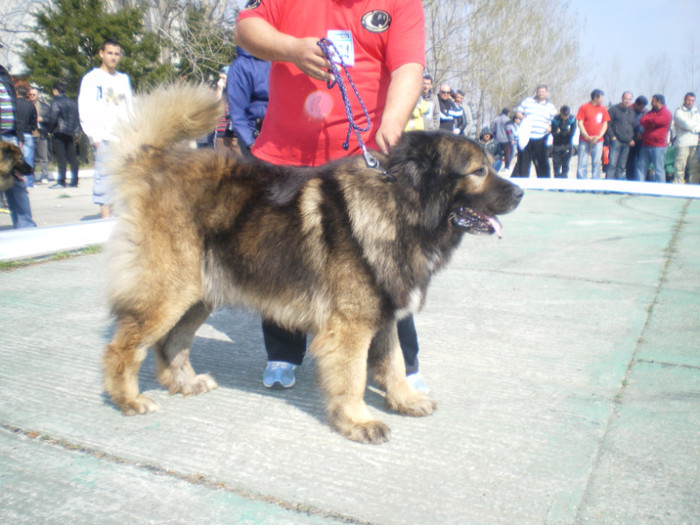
x=497 y=226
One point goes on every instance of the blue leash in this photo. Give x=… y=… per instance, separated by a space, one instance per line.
x=326 y=46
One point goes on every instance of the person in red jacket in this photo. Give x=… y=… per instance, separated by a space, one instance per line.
x=656 y=125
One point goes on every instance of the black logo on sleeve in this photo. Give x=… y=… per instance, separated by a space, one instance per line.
x=376 y=21
x=252 y=4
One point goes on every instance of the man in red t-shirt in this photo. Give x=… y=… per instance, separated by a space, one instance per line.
x=592 y=119
x=383 y=44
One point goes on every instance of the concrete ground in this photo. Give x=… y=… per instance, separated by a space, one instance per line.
x=564 y=359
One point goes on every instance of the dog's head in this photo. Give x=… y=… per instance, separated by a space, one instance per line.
x=11 y=160
x=455 y=181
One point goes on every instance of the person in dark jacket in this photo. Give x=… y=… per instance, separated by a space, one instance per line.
x=639 y=108
x=620 y=135
x=247 y=92
x=17 y=196
x=563 y=129
x=64 y=124
x=25 y=126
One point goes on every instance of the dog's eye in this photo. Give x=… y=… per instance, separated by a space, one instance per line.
x=481 y=172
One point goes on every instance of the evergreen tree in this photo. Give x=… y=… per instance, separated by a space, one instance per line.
x=69 y=34
x=204 y=45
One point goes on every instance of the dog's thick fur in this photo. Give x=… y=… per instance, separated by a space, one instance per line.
x=342 y=251
x=11 y=161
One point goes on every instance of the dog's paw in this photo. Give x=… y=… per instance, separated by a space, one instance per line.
x=374 y=432
x=139 y=405
x=417 y=404
x=199 y=384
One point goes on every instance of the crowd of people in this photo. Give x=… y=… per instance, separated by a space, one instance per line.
x=638 y=141
x=39 y=127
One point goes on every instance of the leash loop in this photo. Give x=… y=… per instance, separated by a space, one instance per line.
x=331 y=52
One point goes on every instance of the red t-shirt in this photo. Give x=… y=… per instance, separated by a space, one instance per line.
x=305 y=123
x=593 y=118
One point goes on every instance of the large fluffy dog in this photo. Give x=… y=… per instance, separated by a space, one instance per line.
x=11 y=161
x=342 y=251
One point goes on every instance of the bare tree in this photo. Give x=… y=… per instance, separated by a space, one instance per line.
x=195 y=34
x=655 y=77
x=15 y=25
x=690 y=65
x=497 y=51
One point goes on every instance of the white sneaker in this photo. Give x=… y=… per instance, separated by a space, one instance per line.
x=416 y=381
x=279 y=372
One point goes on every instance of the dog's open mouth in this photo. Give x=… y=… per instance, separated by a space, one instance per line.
x=475 y=222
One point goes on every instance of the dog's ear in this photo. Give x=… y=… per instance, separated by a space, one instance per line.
x=417 y=155
x=422 y=164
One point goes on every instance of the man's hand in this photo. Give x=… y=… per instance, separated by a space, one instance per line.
x=388 y=135
x=262 y=40
x=307 y=55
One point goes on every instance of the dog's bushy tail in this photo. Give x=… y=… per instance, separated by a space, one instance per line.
x=162 y=118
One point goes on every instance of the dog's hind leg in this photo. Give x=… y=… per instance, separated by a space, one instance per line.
x=389 y=371
x=340 y=349
x=136 y=331
x=121 y=362
x=172 y=355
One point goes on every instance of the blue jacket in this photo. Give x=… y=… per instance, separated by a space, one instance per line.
x=247 y=90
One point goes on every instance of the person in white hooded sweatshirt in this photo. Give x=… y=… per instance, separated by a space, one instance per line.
x=105 y=97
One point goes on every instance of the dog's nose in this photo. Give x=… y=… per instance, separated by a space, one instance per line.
x=518 y=193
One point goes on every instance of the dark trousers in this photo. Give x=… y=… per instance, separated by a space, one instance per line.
x=41 y=157
x=561 y=156
x=632 y=159
x=290 y=347
x=535 y=152
x=64 y=149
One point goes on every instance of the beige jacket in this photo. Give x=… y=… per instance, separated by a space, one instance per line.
x=687 y=126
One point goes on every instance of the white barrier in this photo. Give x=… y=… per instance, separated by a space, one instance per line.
x=35 y=242
x=656 y=189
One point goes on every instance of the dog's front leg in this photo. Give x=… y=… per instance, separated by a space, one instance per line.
x=389 y=371
x=340 y=348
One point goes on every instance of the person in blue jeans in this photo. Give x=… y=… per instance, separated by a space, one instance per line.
x=656 y=124
x=592 y=119
x=17 y=196
x=620 y=135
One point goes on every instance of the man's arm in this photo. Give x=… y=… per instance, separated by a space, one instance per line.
x=264 y=41
x=405 y=88
x=582 y=130
x=683 y=120
x=603 y=130
x=87 y=111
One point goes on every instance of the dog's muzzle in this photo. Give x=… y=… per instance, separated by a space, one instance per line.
x=474 y=222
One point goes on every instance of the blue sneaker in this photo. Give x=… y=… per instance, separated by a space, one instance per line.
x=279 y=372
x=416 y=381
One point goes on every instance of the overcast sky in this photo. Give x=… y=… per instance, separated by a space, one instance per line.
x=634 y=44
